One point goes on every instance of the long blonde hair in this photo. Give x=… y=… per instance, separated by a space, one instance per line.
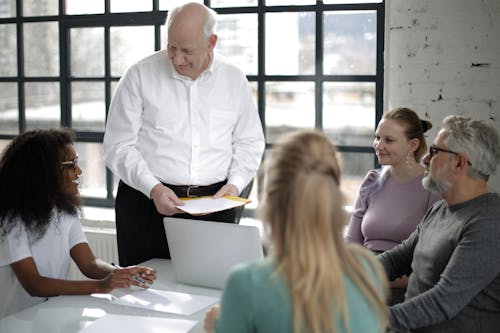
x=303 y=207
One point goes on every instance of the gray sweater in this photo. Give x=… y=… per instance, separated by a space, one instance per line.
x=454 y=260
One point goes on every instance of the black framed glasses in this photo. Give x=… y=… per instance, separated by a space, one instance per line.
x=433 y=150
x=72 y=163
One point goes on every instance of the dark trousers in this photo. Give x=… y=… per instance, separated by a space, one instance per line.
x=139 y=226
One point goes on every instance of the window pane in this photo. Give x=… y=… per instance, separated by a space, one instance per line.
x=87 y=106
x=77 y=7
x=87 y=52
x=3 y=145
x=354 y=169
x=289 y=106
x=131 y=6
x=8 y=8
x=169 y=4
x=129 y=45
x=116 y=181
x=238 y=40
x=41 y=49
x=289 y=2
x=93 y=178
x=233 y=3
x=349 y=112
x=8 y=51
x=9 y=115
x=294 y=54
x=350 y=43
x=253 y=88
x=350 y=1
x=113 y=87
x=40 y=8
x=42 y=105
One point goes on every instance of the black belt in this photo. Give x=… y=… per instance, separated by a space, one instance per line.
x=194 y=191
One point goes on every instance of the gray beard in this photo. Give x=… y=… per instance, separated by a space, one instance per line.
x=432 y=185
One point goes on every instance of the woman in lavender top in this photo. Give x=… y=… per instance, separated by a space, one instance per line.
x=391 y=201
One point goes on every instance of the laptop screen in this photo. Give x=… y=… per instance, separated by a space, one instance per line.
x=203 y=252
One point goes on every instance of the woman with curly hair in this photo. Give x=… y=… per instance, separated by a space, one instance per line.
x=313 y=281
x=40 y=228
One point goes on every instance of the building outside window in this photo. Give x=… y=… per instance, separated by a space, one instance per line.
x=311 y=64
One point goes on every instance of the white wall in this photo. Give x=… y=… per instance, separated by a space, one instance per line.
x=443 y=57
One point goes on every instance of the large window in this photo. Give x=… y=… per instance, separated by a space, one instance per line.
x=311 y=64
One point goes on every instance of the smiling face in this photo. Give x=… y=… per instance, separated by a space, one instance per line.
x=391 y=144
x=71 y=172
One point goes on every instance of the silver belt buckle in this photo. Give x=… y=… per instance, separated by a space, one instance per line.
x=188 y=194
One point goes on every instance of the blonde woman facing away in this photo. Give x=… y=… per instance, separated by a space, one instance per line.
x=312 y=281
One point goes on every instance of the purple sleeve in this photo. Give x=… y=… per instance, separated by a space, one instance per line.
x=353 y=232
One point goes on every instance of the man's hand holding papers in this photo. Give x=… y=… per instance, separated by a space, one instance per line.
x=209 y=204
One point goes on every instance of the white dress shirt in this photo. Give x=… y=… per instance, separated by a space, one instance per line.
x=166 y=127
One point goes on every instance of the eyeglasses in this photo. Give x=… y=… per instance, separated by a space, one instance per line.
x=72 y=163
x=433 y=150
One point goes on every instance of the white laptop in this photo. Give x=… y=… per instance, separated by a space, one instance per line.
x=203 y=252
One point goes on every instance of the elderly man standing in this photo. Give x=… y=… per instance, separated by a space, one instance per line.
x=182 y=123
x=454 y=255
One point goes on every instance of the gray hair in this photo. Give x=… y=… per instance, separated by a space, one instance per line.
x=478 y=140
x=208 y=25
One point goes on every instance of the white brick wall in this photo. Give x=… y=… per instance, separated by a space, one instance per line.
x=443 y=57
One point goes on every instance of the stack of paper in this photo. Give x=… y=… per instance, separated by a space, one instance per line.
x=157 y=300
x=208 y=204
x=123 y=324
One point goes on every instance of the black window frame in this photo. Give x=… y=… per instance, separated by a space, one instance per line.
x=156 y=18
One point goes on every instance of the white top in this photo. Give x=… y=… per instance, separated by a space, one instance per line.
x=163 y=126
x=50 y=253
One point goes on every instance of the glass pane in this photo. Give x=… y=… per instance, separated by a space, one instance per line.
x=9 y=115
x=3 y=145
x=233 y=3
x=289 y=106
x=289 y=2
x=350 y=1
x=350 y=43
x=238 y=40
x=87 y=52
x=93 y=178
x=163 y=37
x=295 y=54
x=7 y=8
x=41 y=49
x=113 y=87
x=42 y=105
x=354 y=169
x=40 y=8
x=169 y=4
x=87 y=106
x=8 y=51
x=253 y=88
x=131 y=6
x=116 y=181
x=129 y=45
x=76 y=7
x=349 y=112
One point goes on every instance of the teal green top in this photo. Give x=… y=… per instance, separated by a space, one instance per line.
x=255 y=299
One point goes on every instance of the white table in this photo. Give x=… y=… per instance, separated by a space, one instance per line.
x=69 y=314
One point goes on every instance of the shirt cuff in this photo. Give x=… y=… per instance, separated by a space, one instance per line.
x=147 y=185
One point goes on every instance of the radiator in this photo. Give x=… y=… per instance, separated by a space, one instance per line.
x=103 y=243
